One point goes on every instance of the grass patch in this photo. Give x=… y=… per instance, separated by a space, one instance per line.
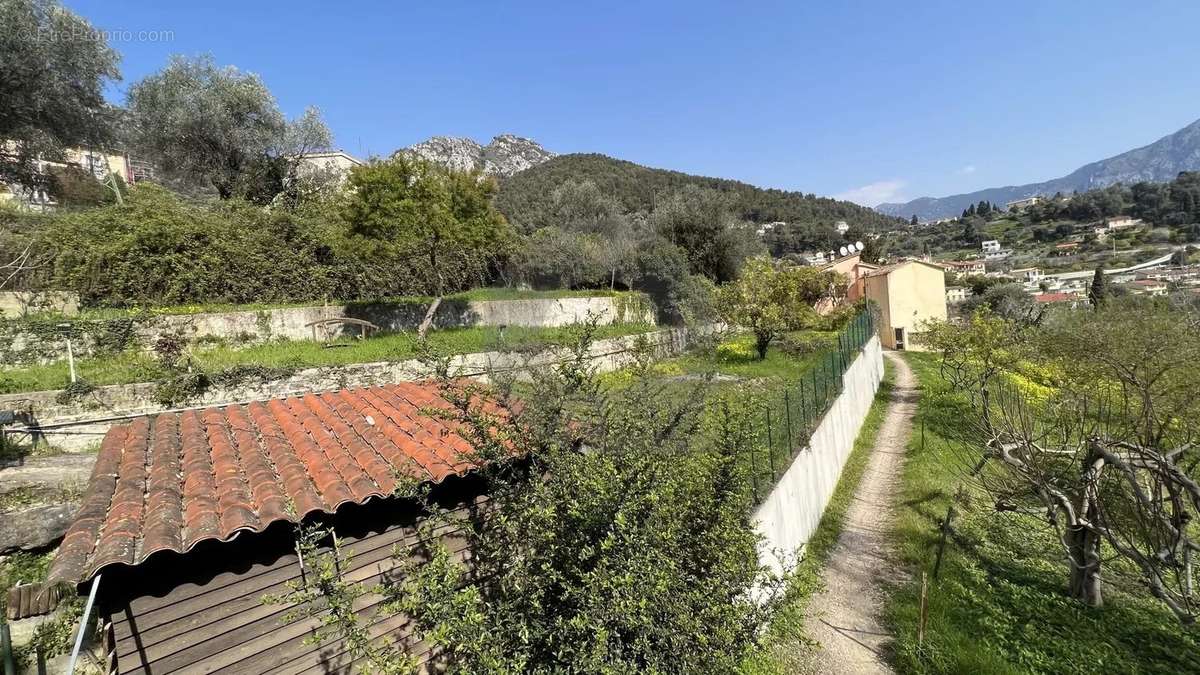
x=785 y=647
x=130 y=367
x=788 y=358
x=1000 y=605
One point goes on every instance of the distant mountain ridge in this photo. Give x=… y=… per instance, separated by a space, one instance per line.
x=504 y=156
x=1158 y=162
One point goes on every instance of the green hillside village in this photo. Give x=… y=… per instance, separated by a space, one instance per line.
x=272 y=406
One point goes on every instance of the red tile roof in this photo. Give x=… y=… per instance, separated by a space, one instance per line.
x=1054 y=297
x=170 y=481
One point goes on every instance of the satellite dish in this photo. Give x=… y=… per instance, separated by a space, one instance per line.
x=858 y=245
x=843 y=251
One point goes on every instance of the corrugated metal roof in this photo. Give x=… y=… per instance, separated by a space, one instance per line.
x=170 y=481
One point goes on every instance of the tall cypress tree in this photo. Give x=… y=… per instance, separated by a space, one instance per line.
x=1098 y=293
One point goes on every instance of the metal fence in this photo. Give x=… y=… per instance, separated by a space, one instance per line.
x=790 y=416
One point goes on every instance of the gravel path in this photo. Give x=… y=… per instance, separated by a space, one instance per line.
x=844 y=617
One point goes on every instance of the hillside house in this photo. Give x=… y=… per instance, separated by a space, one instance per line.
x=333 y=163
x=960 y=268
x=1121 y=223
x=1022 y=204
x=990 y=246
x=764 y=228
x=841 y=226
x=1152 y=287
x=1055 y=298
x=853 y=269
x=190 y=519
x=956 y=294
x=1066 y=248
x=1029 y=275
x=907 y=294
x=99 y=163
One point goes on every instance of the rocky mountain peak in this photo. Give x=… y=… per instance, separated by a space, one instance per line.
x=505 y=155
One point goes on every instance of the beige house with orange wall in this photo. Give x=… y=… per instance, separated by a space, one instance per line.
x=907 y=294
x=853 y=269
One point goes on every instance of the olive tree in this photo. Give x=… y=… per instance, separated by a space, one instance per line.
x=771 y=297
x=220 y=127
x=1102 y=446
x=701 y=222
x=438 y=216
x=54 y=66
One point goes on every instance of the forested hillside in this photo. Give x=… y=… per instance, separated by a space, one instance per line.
x=524 y=197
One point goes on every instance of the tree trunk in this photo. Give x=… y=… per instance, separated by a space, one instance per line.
x=761 y=343
x=428 y=320
x=1084 y=547
x=441 y=291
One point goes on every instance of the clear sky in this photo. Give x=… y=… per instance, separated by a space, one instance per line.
x=870 y=101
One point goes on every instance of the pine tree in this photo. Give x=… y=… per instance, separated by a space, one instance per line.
x=914 y=221
x=1098 y=293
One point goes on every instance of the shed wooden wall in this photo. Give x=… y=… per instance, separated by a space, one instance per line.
x=203 y=612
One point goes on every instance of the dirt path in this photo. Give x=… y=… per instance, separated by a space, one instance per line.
x=844 y=617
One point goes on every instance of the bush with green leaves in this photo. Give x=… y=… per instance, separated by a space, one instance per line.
x=617 y=537
x=158 y=248
x=770 y=298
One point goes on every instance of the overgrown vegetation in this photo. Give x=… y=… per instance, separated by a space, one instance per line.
x=616 y=539
x=1089 y=420
x=1000 y=603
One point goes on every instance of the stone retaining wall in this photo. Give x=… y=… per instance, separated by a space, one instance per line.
x=22 y=343
x=78 y=424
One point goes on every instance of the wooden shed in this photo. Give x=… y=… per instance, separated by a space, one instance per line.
x=189 y=521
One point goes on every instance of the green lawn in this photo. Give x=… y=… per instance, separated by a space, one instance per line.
x=787 y=359
x=1000 y=604
x=295 y=354
x=785 y=647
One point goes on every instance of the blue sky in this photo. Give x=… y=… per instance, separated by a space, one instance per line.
x=870 y=101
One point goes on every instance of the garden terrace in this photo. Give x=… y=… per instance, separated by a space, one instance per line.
x=283 y=357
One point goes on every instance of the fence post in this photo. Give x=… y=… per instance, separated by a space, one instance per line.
x=787 y=409
x=6 y=650
x=924 y=611
x=816 y=405
x=770 y=443
x=804 y=407
x=753 y=473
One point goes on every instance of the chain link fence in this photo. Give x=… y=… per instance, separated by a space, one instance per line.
x=789 y=416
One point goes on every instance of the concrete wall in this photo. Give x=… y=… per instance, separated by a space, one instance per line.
x=75 y=425
x=16 y=304
x=290 y=323
x=22 y=345
x=789 y=515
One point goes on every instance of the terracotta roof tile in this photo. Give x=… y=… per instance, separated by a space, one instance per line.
x=169 y=481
